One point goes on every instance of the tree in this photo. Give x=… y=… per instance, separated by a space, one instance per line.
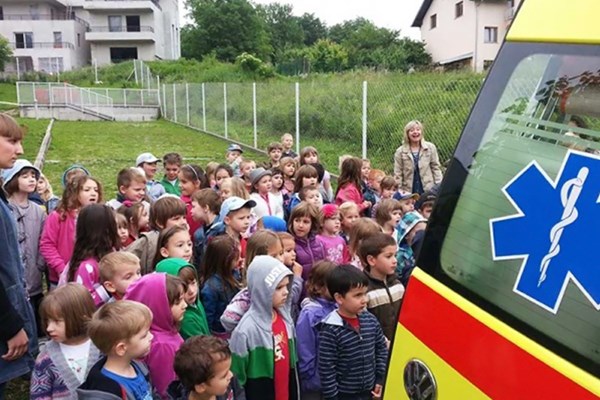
x=5 y=52
x=327 y=56
x=284 y=28
x=313 y=28
x=225 y=27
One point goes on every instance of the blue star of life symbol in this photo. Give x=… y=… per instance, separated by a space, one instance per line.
x=556 y=231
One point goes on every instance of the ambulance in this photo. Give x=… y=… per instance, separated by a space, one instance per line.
x=505 y=300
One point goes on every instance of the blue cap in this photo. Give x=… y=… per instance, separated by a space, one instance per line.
x=233 y=204
x=10 y=173
x=235 y=147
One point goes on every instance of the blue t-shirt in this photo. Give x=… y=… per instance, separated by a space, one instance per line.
x=137 y=386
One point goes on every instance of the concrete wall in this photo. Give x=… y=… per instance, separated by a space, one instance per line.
x=101 y=50
x=134 y=114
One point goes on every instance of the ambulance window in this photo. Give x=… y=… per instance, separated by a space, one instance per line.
x=550 y=107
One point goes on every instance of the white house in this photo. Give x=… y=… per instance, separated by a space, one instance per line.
x=59 y=35
x=464 y=33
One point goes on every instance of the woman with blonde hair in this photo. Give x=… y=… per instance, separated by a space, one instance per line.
x=416 y=162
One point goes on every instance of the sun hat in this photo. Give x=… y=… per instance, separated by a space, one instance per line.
x=407 y=223
x=258 y=173
x=10 y=173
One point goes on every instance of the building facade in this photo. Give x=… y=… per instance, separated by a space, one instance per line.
x=464 y=33
x=60 y=35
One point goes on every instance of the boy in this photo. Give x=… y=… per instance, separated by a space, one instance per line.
x=131 y=185
x=287 y=141
x=388 y=216
x=311 y=195
x=352 y=346
x=408 y=229
x=121 y=331
x=246 y=168
x=424 y=205
x=164 y=213
x=274 y=150
x=206 y=206
x=374 y=180
x=234 y=158
x=407 y=200
x=263 y=343
x=172 y=164
x=118 y=270
x=202 y=365
x=148 y=163
x=384 y=294
x=236 y=216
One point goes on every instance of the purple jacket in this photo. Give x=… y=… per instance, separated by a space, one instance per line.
x=307 y=337
x=308 y=251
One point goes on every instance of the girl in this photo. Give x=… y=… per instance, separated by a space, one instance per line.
x=68 y=356
x=309 y=155
x=122 y=229
x=19 y=182
x=388 y=216
x=266 y=203
x=174 y=241
x=58 y=236
x=349 y=185
x=211 y=167
x=137 y=218
x=44 y=189
x=96 y=236
x=333 y=243
x=191 y=179
x=315 y=308
x=223 y=171
x=277 y=187
x=165 y=297
x=306 y=175
x=288 y=167
x=348 y=215
x=234 y=187
x=362 y=228
x=304 y=225
x=219 y=284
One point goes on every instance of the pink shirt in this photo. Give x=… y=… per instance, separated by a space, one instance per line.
x=334 y=248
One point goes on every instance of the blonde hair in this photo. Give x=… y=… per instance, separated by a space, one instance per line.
x=412 y=124
x=116 y=322
x=362 y=229
x=238 y=187
x=48 y=193
x=287 y=134
x=259 y=244
x=346 y=207
x=110 y=263
x=286 y=161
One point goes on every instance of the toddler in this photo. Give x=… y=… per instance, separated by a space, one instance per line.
x=333 y=243
x=118 y=270
x=349 y=214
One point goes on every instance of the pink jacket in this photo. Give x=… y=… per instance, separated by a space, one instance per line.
x=57 y=242
x=88 y=275
x=350 y=192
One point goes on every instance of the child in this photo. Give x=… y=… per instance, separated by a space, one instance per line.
x=260 y=192
x=121 y=331
x=306 y=176
x=304 y=225
x=19 y=182
x=274 y=151
x=287 y=141
x=72 y=172
x=211 y=167
x=122 y=229
x=333 y=243
x=172 y=164
x=424 y=205
x=44 y=189
x=407 y=200
x=137 y=219
x=234 y=187
x=389 y=186
x=234 y=158
x=131 y=185
x=174 y=242
x=202 y=365
x=310 y=155
x=388 y=216
x=66 y=359
x=374 y=182
x=118 y=270
x=265 y=337
x=385 y=292
x=409 y=226
x=277 y=187
x=166 y=212
x=349 y=185
x=246 y=167
x=206 y=206
x=219 y=284
x=165 y=297
x=365 y=170
x=191 y=179
x=311 y=195
x=222 y=172
x=96 y=236
x=352 y=346
x=58 y=236
x=194 y=320
x=315 y=308
x=288 y=167
x=349 y=214
x=362 y=229
x=148 y=163
x=236 y=215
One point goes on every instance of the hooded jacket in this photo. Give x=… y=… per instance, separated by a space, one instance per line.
x=194 y=320
x=252 y=341
x=57 y=242
x=151 y=290
x=98 y=386
x=383 y=301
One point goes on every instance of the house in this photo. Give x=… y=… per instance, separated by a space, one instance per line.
x=464 y=33
x=60 y=35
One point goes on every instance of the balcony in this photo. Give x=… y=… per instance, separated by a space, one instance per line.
x=120 y=33
x=122 y=5
x=43 y=17
x=41 y=45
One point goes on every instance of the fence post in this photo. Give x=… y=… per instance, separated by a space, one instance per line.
x=142 y=96
x=225 y=108
x=254 y=114
x=364 y=121
x=203 y=108
x=141 y=73
x=18 y=93
x=297 y=117
x=148 y=76
x=174 y=103
x=158 y=93
x=50 y=94
x=135 y=73
x=187 y=102
x=164 y=102
x=124 y=97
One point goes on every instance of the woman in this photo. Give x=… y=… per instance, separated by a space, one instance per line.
x=416 y=162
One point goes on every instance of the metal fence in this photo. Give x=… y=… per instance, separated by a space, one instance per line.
x=345 y=116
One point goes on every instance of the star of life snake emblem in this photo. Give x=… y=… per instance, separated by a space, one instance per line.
x=555 y=232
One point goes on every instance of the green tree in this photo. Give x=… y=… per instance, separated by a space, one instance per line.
x=5 y=52
x=284 y=28
x=313 y=28
x=327 y=56
x=225 y=27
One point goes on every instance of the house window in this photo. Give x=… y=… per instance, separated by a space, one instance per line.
x=433 y=21
x=51 y=65
x=490 y=34
x=458 y=9
x=24 y=40
x=1 y=13
x=57 y=40
x=133 y=23
x=115 y=23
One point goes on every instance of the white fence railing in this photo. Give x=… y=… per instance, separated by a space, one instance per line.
x=131 y=97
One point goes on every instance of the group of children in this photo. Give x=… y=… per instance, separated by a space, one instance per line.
x=263 y=271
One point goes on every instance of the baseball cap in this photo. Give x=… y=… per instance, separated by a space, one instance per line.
x=425 y=198
x=10 y=173
x=235 y=147
x=402 y=195
x=257 y=174
x=329 y=210
x=145 y=158
x=233 y=204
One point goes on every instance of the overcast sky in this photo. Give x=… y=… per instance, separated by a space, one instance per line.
x=392 y=14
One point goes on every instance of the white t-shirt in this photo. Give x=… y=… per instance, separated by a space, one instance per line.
x=77 y=358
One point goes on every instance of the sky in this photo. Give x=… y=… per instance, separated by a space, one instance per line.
x=391 y=14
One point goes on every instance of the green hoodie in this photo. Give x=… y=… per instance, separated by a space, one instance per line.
x=194 y=320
